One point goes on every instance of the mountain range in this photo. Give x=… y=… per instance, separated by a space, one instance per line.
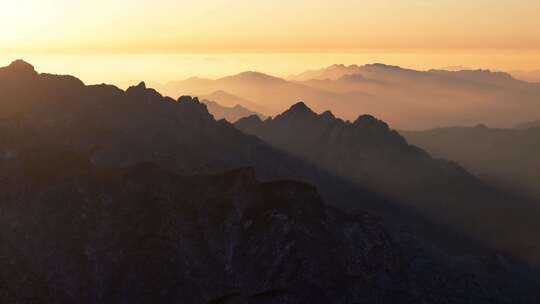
x=128 y=196
x=406 y=98
x=368 y=153
x=333 y=72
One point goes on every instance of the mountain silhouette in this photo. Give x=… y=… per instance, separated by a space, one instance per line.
x=254 y=78
x=369 y=153
x=269 y=92
x=406 y=98
x=333 y=72
x=113 y=128
x=128 y=196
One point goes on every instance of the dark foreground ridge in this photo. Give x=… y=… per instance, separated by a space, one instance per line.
x=144 y=235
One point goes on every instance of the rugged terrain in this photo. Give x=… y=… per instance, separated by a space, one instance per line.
x=368 y=153
x=114 y=196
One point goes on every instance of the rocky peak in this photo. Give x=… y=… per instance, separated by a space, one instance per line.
x=185 y=98
x=188 y=99
x=350 y=68
x=247 y=123
x=370 y=122
x=252 y=118
x=327 y=116
x=137 y=89
x=194 y=107
x=141 y=91
x=299 y=108
x=382 y=66
x=20 y=68
x=253 y=76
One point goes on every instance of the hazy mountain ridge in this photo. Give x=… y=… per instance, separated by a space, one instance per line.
x=333 y=72
x=230 y=100
x=84 y=221
x=406 y=98
x=272 y=93
x=231 y=114
x=528 y=125
x=530 y=76
x=369 y=153
x=508 y=157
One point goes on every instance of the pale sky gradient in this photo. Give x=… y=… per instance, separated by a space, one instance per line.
x=452 y=32
x=267 y=25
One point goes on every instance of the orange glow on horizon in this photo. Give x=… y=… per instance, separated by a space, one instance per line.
x=187 y=38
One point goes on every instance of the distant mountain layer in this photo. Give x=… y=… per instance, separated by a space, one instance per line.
x=229 y=100
x=367 y=152
x=406 y=98
x=114 y=196
x=231 y=114
x=527 y=125
x=265 y=91
x=532 y=76
x=508 y=157
x=333 y=72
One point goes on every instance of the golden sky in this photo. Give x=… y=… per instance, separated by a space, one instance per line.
x=509 y=30
x=267 y=25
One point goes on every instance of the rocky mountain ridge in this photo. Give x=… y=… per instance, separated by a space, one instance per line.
x=368 y=152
